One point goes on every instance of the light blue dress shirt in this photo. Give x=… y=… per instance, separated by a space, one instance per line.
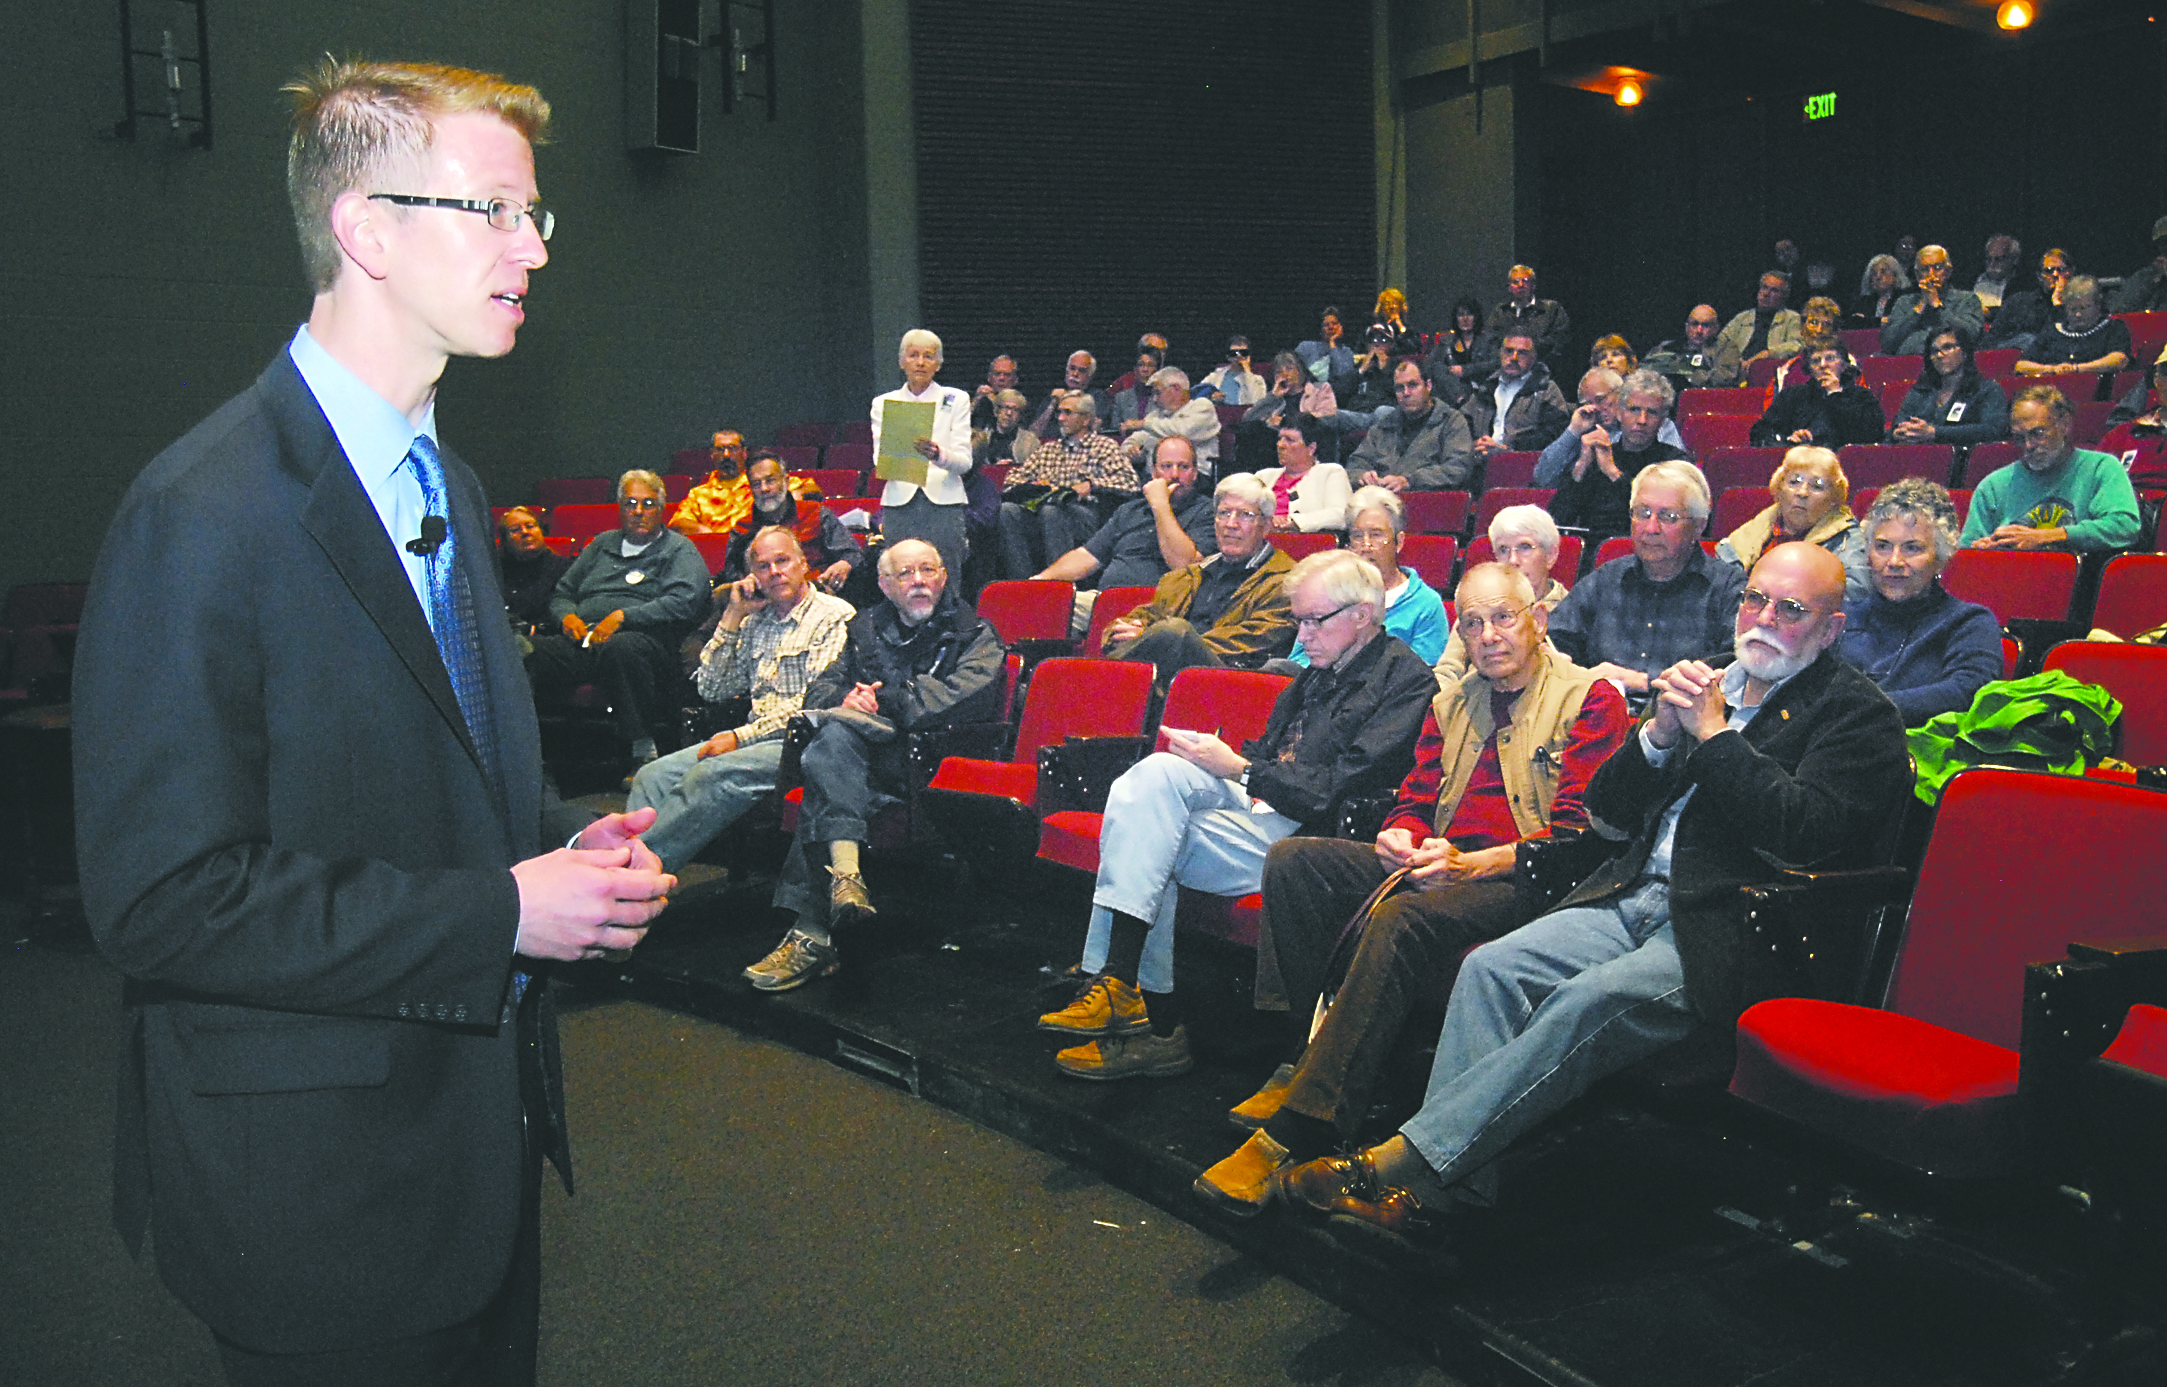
x=375 y=438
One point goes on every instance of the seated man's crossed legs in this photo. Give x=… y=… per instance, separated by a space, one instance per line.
x=697 y=797
x=1535 y=1018
x=1168 y=824
x=1373 y=979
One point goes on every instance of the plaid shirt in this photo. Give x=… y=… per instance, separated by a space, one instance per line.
x=774 y=659
x=1065 y=461
x=1617 y=615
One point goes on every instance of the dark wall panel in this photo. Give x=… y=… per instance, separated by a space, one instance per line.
x=1085 y=176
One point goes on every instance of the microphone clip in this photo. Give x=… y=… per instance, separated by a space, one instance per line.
x=432 y=537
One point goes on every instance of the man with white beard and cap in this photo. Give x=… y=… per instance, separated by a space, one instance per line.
x=1789 y=757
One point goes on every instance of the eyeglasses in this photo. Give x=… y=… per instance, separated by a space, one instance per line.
x=503 y=213
x=640 y=502
x=1806 y=480
x=923 y=572
x=1241 y=513
x=1471 y=624
x=1665 y=516
x=1313 y=622
x=1788 y=612
x=1510 y=552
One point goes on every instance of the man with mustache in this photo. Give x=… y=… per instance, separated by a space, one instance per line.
x=1788 y=756
x=832 y=553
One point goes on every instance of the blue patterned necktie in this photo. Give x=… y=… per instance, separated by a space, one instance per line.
x=458 y=640
x=451 y=617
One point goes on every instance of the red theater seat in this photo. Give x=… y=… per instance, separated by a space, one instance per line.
x=1432 y=556
x=989 y=806
x=1880 y=464
x=1930 y=1079
x=1112 y=605
x=1499 y=497
x=1564 y=569
x=804 y=436
x=582 y=522
x=2137 y=677
x=1032 y=615
x=1298 y=546
x=2132 y=594
x=713 y=549
x=1726 y=468
x=1739 y=400
x=1988 y=457
x=550 y=492
x=2013 y=584
x=1510 y=469
x=1703 y=433
x=1435 y=512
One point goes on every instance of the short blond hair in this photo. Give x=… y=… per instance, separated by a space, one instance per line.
x=355 y=123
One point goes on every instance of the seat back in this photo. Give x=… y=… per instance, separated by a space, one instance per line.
x=835 y=481
x=798 y=457
x=1877 y=371
x=1761 y=374
x=2013 y=584
x=1432 y=556
x=1881 y=464
x=1082 y=698
x=1732 y=467
x=1235 y=704
x=693 y=462
x=1499 y=497
x=581 y=522
x=855 y=431
x=551 y=492
x=1435 y=512
x=2019 y=865
x=1861 y=341
x=1564 y=569
x=1735 y=507
x=1997 y=363
x=1510 y=469
x=1704 y=433
x=1030 y=610
x=1739 y=400
x=1298 y=546
x=1988 y=457
x=2147 y=335
x=2132 y=594
x=713 y=549
x=2091 y=423
x=1112 y=605
x=2137 y=676
x=854 y=457
x=804 y=436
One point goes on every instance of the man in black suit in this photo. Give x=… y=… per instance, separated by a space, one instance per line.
x=309 y=793
x=1788 y=757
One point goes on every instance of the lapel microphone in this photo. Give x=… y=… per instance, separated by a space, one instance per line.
x=432 y=536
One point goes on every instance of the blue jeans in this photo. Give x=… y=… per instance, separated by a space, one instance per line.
x=695 y=799
x=1170 y=824
x=1538 y=1016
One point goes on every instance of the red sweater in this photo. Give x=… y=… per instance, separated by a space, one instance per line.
x=1483 y=818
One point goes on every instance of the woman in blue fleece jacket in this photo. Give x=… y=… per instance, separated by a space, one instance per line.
x=1928 y=651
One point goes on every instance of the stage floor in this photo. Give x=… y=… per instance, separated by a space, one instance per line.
x=1648 y=1236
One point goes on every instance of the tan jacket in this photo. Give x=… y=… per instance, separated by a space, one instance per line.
x=1529 y=750
x=1257 y=625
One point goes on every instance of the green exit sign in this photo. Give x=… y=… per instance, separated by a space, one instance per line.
x=1821 y=106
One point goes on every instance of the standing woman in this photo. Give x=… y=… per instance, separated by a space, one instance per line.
x=934 y=512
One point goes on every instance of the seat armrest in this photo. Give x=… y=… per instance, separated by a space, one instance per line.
x=1361 y=817
x=2073 y=1008
x=981 y=741
x=1827 y=927
x=1080 y=772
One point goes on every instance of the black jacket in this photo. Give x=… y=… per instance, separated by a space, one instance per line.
x=1357 y=734
x=947 y=669
x=1810 y=782
x=1852 y=415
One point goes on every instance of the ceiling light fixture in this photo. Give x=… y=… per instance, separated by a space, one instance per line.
x=1629 y=93
x=2014 y=14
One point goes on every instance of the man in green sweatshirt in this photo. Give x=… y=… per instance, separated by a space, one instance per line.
x=2057 y=495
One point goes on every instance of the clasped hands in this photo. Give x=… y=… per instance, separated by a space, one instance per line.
x=1436 y=861
x=597 y=634
x=594 y=897
x=1688 y=703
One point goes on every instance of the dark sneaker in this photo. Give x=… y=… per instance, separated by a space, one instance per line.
x=798 y=960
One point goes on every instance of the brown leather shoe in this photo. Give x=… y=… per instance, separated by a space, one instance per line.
x=1242 y=1183
x=1136 y=1055
x=1396 y=1227
x=1262 y=1106
x=1315 y=1187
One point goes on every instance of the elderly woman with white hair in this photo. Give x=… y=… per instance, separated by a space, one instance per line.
x=1811 y=498
x=1526 y=538
x=1930 y=652
x=934 y=512
x=1412 y=609
x=1173 y=412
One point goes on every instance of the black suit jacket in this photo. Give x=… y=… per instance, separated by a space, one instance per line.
x=1812 y=781
x=290 y=850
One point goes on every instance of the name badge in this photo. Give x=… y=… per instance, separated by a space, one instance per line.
x=1696 y=361
x=636 y=576
x=1956 y=411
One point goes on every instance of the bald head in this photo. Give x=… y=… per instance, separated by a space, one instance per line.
x=1820 y=572
x=1701 y=326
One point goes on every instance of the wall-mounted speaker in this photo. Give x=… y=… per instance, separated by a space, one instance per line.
x=662 y=75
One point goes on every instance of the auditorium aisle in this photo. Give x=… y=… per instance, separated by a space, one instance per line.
x=746 y=1214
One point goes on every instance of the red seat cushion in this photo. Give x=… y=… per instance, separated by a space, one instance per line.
x=1016 y=780
x=1917 y=1093
x=1071 y=838
x=2142 y=1043
x=1235 y=919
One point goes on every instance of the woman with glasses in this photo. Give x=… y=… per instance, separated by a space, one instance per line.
x=1412 y=609
x=1929 y=651
x=1527 y=538
x=1809 y=492
x=1951 y=402
x=1879 y=288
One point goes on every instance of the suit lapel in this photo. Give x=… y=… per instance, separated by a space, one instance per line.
x=340 y=518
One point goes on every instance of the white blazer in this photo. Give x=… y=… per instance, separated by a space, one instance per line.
x=951 y=429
